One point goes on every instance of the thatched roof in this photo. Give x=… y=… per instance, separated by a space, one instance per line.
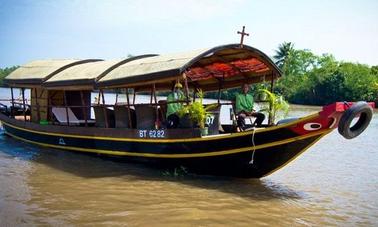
x=36 y=72
x=85 y=75
x=225 y=66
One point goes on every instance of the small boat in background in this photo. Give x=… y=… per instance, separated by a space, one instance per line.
x=59 y=114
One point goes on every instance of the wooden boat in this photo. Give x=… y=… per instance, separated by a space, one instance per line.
x=60 y=112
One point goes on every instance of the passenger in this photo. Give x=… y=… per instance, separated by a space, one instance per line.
x=173 y=119
x=244 y=108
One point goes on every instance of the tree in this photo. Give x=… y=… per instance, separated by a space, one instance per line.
x=5 y=72
x=320 y=80
x=295 y=73
x=359 y=82
x=374 y=70
x=282 y=53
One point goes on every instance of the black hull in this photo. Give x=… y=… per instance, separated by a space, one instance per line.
x=265 y=161
x=223 y=155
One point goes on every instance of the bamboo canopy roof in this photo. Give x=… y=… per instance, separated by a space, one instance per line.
x=85 y=75
x=210 y=69
x=36 y=72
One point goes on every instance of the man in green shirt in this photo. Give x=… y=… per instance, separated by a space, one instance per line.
x=244 y=107
x=173 y=106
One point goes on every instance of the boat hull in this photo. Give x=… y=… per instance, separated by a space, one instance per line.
x=226 y=155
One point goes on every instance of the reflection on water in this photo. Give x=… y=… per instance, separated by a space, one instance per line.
x=334 y=183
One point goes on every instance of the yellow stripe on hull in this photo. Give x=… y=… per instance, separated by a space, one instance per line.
x=191 y=155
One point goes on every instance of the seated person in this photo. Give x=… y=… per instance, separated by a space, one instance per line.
x=173 y=119
x=244 y=108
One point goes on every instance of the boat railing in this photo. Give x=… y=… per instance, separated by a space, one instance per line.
x=118 y=115
x=18 y=108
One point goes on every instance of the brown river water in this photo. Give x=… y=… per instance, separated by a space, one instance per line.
x=334 y=183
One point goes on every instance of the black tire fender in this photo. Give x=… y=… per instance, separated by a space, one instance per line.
x=365 y=113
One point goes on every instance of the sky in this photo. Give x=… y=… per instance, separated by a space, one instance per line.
x=113 y=29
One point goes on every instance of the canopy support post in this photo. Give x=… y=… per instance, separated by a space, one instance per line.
x=84 y=108
x=186 y=88
x=270 y=118
x=12 y=111
x=220 y=89
x=104 y=109
x=128 y=107
x=37 y=104
x=157 y=122
x=219 y=94
x=65 y=104
x=23 y=103
x=196 y=87
x=134 y=95
x=49 y=107
x=272 y=84
x=151 y=94
x=99 y=97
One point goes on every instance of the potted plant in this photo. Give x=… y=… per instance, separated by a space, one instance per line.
x=277 y=106
x=259 y=96
x=262 y=96
x=197 y=112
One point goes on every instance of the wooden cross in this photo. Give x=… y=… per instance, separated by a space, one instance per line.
x=242 y=33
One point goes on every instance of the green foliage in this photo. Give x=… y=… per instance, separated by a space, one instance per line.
x=276 y=106
x=196 y=111
x=374 y=70
x=320 y=80
x=5 y=72
x=283 y=52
